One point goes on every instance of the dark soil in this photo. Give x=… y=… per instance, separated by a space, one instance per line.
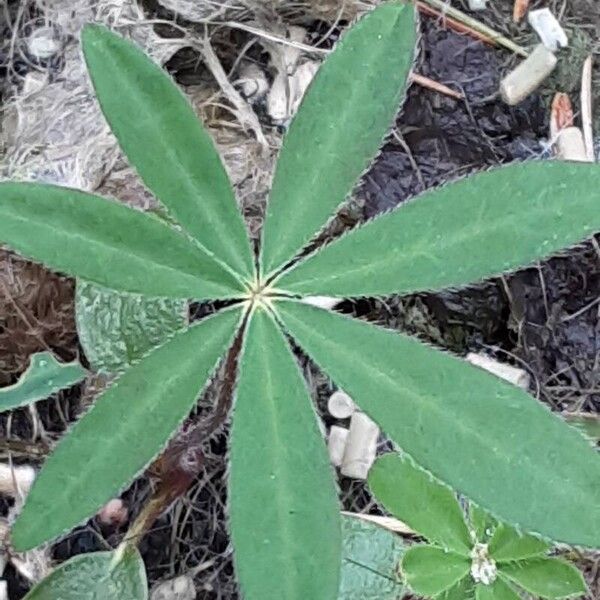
x=545 y=318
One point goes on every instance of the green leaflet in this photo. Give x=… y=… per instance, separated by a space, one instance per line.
x=160 y=134
x=283 y=506
x=499 y=590
x=425 y=505
x=107 y=243
x=481 y=523
x=118 y=575
x=463 y=590
x=116 y=329
x=44 y=377
x=429 y=570
x=546 y=577
x=338 y=129
x=127 y=426
x=511 y=216
x=484 y=437
x=370 y=560
x=508 y=545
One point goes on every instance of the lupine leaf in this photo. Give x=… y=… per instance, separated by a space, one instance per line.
x=499 y=590
x=105 y=242
x=546 y=577
x=117 y=329
x=463 y=590
x=511 y=216
x=429 y=570
x=127 y=426
x=370 y=562
x=482 y=436
x=283 y=507
x=44 y=377
x=118 y=575
x=157 y=129
x=507 y=544
x=338 y=129
x=425 y=505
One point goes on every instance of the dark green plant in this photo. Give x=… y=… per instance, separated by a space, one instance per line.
x=474 y=559
x=484 y=437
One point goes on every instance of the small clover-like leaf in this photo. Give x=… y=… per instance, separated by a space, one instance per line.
x=424 y=504
x=546 y=577
x=117 y=329
x=127 y=426
x=370 y=561
x=159 y=132
x=507 y=544
x=107 y=243
x=429 y=571
x=339 y=127
x=498 y=590
x=283 y=506
x=44 y=376
x=118 y=575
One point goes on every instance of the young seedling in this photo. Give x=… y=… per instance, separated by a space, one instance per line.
x=485 y=438
x=474 y=559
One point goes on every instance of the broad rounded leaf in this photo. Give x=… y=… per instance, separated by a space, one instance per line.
x=465 y=231
x=44 y=377
x=429 y=570
x=283 y=506
x=499 y=590
x=157 y=129
x=117 y=329
x=108 y=243
x=118 y=575
x=485 y=438
x=127 y=426
x=424 y=504
x=507 y=544
x=546 y=577
x=370 y=562
x=338 y=129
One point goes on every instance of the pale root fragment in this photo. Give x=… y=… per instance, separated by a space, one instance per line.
x=336 y=444
x=179 y=588
x=528 y=75
x=16 y=481
x=548 y=29
x=514 y=375
x=361 y=446
x=570 y=145
x=340 y=405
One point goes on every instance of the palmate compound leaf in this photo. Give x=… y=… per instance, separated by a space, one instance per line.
x=425 y=505
x=44 y=376
x=283 y=507
x=429 y=570
x=117 y=329
x=118 y=575
x=127 y=426
x=107 y=243
x=460 y=233
x=338 y=129
x=160 y=134
x=370 y=561
x=482 y=436
x=546 y=577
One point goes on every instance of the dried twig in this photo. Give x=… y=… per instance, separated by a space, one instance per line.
x=431 y=84
x=469 y=25
x=586 y=108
